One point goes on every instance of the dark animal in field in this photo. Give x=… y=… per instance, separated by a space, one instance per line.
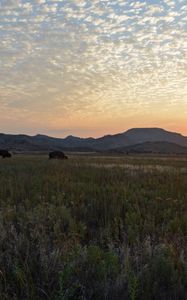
x=5 y=153
x=57 y=155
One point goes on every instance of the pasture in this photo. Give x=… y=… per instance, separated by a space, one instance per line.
x=93 y=227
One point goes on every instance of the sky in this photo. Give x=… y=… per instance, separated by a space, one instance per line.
x=92 y=67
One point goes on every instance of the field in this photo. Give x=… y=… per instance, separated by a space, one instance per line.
x=93 y=227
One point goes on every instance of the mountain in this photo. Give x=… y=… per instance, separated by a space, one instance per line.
x=152 y=147
x=141 y=135
x=131 y=137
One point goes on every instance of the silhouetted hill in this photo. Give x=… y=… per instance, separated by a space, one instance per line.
x=141 y=135
x=131 y=137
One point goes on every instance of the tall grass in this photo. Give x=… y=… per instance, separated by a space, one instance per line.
x=93 y=228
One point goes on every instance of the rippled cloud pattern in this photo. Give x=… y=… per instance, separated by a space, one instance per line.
x=62 y=61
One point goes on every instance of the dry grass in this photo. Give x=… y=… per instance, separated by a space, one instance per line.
x=93 y=227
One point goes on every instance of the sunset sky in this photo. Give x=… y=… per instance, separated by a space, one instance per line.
x=91 y=67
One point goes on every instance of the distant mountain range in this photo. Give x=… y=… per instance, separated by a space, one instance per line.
x=134 y=140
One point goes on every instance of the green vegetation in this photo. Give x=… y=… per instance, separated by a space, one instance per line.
x=93 y=228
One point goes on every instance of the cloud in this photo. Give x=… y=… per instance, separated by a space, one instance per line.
x=69 y=58
x=40 y=1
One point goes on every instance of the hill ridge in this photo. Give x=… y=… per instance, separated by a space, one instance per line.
x=133 y=136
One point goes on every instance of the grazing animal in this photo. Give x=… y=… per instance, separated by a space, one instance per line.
x=57 y=155
x=5 y=153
